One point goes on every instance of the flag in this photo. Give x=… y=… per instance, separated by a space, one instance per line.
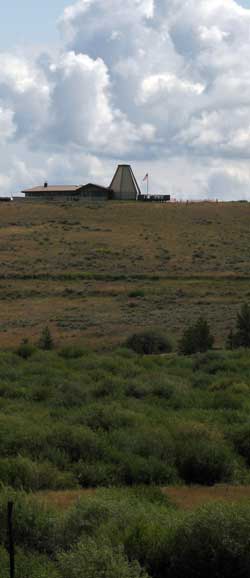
x=145 y=178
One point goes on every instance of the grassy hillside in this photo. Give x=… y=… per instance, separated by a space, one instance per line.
x=91 y=414
x=98 y=272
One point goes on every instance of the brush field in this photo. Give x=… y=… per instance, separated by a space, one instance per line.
x=167 y=436
x=98 y=272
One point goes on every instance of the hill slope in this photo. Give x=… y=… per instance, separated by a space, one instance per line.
x=101 y=271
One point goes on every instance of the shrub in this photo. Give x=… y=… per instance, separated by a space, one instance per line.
x=243 y=326
x=23 y=474
x=137 y=293
x=210 y=362
x=227 y=400
x=85 y=519
x=93 y=558
x=72 y=352
x=196 y=338
x=78 y=443
x=37 y=527
x=205 y=463
x=202 y=456
x=97 y=474
x=136 y=470
x=212 y=542
x=46 y=341
x=231 y=340
x=25 y=349
x=149 y=343
x=28 y=565
x=241 y=337
x=241 y=439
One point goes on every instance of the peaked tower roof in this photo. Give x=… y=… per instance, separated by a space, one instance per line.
x=124 y=184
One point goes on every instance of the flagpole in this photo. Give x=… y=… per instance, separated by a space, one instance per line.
x=146 y=179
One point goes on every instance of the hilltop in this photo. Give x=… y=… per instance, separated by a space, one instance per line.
x=97 y=272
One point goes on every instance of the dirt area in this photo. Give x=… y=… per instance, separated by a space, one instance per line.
x=184 y=497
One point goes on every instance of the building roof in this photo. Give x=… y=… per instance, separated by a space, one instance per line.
x=124 y=181
x=63 y=188
x=53 y=189
x=95 y=186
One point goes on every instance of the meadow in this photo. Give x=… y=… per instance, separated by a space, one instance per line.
x=111 y=457
x=105 y=456
x=75 y=418
x=98 y=272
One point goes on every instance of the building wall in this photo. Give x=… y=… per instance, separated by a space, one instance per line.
x=85 y=194
x=94 y=194
x=124 y=185
x=52 y=196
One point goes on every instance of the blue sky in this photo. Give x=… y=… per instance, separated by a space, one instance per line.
x=25 y=22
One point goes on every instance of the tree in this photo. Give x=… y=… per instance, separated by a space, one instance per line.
x=243 y=326
x=196 y=338
x=46 y=340
x=232 y=340
x=25 y=349
x=149 y=343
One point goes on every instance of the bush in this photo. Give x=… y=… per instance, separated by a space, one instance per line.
x=72 y=352
x=23 y=474
x=211 y=363
x=97 y=474
x=135 y=470
x=149 y=343
x=231 y=340
x=241 y=337
x=37 y=528
x=137 y=293
x=46 y=341
x=92 y=559
x=78 y=443
x=241 y=439
x=212 y=543
x=196 y=338
x=28 y=565
x=202 y=456
x=25 y=349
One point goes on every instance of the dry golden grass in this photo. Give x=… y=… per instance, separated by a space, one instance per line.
x=190 y=497
x=64 y=499
x=184 y=497
x=74 y=267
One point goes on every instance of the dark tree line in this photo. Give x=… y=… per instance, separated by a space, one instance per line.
x=196 y=338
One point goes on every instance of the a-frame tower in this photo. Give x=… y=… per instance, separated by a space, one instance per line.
x=124 y=184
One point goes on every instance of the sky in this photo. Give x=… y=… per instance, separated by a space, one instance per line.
x=28 y=22
x=161 y=84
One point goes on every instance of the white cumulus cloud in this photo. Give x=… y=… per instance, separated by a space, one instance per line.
x=161 y=83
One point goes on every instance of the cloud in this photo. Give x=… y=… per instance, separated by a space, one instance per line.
x=225 y=182
x=157 y=86
x=82 y=86
x=161 y=83
x=7 y=125
x=21 y=167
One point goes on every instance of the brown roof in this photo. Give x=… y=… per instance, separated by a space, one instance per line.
x=64 y=188
x=53 y=188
